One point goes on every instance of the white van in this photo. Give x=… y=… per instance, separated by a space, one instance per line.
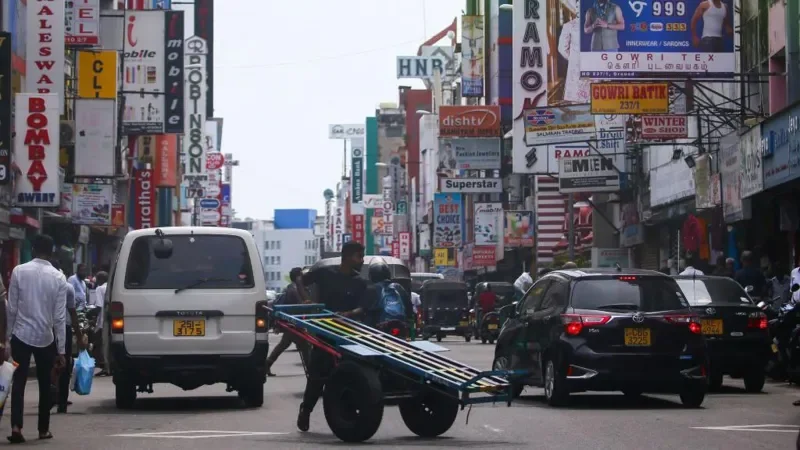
x=185 y=305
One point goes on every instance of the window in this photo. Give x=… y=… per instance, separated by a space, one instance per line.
x=266 y=245
x=266 y=260
x=279 y=245
x=222 y=260
x=279 y=260
x=277 y=276
x=704 y=291
x=534 y=296
x=556 y=296
x=648 y=294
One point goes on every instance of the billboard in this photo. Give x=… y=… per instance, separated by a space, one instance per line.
x=346 y=131
x=471 y=185
x=469 y=121
x=558 y=125
x=143 y=72
x=448 y=227
x=657 y=39
x=665 y=127
x=95 y=137
x=194 y=145
x=487 y=222
x=472 y=56
x=97 y=74
x=357 y=170
x=36 y=124
x=82 y=20
x=630 y=98
x=44 y=49
x=592 y=173
x=472 y=154
x=5 y=108
x=520 y=228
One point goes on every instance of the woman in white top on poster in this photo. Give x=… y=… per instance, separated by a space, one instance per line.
x=576 y=90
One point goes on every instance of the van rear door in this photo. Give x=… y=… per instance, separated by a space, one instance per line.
x=199 y=299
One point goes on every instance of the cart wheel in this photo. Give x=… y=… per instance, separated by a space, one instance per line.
x=483 y=340
x=467 y=338
x=430 y=414
x=439 y=338
x=353 y=402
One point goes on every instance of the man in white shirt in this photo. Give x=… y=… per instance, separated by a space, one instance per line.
x=37 y=307
x=78 y=282
x=795 y=280
x=100 y=293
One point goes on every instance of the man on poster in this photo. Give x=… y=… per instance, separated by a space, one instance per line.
x=714 y=14
x=604 y=20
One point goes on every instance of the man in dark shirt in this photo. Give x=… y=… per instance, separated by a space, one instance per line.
x=749 y=275
x=342 y=291
x=290 y=297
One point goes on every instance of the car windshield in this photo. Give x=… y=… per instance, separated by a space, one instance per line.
x=200 y=261
x=704 y=291
x=628 y=293
x=447 y=299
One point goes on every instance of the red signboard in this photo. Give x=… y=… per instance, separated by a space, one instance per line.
x=665 y=127
x=396 y=249
x=144 y=199
x=470 y=121
x=483 y=256
x=358 y=228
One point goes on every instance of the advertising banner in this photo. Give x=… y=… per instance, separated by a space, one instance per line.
x=609 y=258
x=91 y=204
x=404 y=239
x=143 y=72
x=144 y=199
x=194 y=141
x=472 y=56
x=630 y=98
x=422 y=67
x=448 y=221
x=346 y=131
x=780 y=146
x=471 y=185
x=95 y=138
x=117 y=215
x=445 y=257
x=97 y=74
x=395 y=249
x=559 y=125
x=472 y=154
x=487 y=218
x=338 y=228
x=166 y=160
x=665 y=127
x=82 y=21
x=388 y=207
x=5 y=108
x=65 y=206
x=36 y=145
x=469 y=121
x=483 y=256
x=174 y=59
x=358 y=228
x=520 y=229
x=731 y=178
x=44 y=49
x=357 y=169
x=657 y=39
x=587 y=174
x=752 y=171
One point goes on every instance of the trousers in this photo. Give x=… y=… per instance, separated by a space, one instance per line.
x=63 y=379
x=44 y=357
x=319 y=368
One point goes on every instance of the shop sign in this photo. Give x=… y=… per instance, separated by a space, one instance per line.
x=36 y=143
x=665 y=127
x=144 y=199
x=44 y=51
x=751 y=160
x=630 y=98
x=780 y=147
x=5 y=108
x=469 y=121
x=483 y=255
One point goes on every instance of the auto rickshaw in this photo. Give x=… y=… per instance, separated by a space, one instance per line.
x=445 y=310
x=487 y=324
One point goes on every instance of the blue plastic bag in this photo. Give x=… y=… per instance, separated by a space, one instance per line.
x=84 y=373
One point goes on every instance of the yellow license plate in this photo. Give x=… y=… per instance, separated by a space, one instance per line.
x=711 y=326
x=463 y=324
x=188 y=328
x=492 y=326
x=637 y=337
x=774 y=348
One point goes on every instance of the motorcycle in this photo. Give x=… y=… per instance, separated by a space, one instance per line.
x=396 y=328
x=784 y=330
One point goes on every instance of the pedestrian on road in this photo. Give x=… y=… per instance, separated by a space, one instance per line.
x=750 y=275
x=78 y=282
x=292 y=296
x=72 y=321
x=690 y=268
x=37 y=324
x=342 y=291
x=97 y=340
x=487 y=302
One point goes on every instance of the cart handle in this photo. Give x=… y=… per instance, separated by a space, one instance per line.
x=310 y=339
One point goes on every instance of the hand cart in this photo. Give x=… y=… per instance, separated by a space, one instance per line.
x=374 y=369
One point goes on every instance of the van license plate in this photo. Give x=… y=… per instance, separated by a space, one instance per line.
x=448 y=328
x=711 y=327
x=637 y=337
x=492 y=326
x=189 y=328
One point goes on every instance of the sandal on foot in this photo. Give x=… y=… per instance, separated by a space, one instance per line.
x=16 y=438
x=46 y=435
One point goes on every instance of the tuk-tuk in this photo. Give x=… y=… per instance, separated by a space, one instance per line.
x=487 y=324
x=445 y=310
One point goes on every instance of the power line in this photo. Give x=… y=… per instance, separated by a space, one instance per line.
x=320 y=59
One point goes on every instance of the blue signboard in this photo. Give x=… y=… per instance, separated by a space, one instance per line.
x=225 y=194
x=347 y=237
x=649 y=38
x=780 y=147
x=209 y=203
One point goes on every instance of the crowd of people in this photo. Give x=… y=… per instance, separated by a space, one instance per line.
x=38 y=318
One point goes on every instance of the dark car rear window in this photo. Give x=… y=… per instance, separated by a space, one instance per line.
x=447 y=299
x=223 y=260
x=704 y=291
x=647 y=294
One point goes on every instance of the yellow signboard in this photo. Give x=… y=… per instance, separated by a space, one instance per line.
x=97 y=74
x=444 y=257
x=630 y=98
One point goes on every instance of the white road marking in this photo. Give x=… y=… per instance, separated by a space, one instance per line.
x=767 y=428
x=493 y=429
x=197 y=434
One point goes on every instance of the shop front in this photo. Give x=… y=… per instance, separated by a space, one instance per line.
x=780 y=149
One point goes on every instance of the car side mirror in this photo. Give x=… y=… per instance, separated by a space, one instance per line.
x=795 y=287
x=509 y=311
x=748 y=289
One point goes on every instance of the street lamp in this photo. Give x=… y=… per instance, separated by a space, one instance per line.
x=506 y=7
x=381 y=164
x=423 y=112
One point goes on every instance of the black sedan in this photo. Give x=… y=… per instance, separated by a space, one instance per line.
x=735 y=329
x=605 y=330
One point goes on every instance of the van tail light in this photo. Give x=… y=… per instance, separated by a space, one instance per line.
x=117 y=312
x=574 y=323
x=689 y=320
x=757 y=320
x=262 y=316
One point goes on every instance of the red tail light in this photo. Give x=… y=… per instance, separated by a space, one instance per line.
x=574 y=323
x=395 y=331
x=262 y=317
x=117 y=312
x=691 y=321
x=628 y=278
x=757 y=320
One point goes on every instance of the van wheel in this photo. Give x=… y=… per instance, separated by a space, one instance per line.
x=430 y=414
x=252 y=393
x=124 y=393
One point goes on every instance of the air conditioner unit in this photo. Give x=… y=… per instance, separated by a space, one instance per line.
x=67 y=132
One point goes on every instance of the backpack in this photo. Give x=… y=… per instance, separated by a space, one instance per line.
x=391 y=304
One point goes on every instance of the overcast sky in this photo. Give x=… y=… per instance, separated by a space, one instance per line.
x=285 y=70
